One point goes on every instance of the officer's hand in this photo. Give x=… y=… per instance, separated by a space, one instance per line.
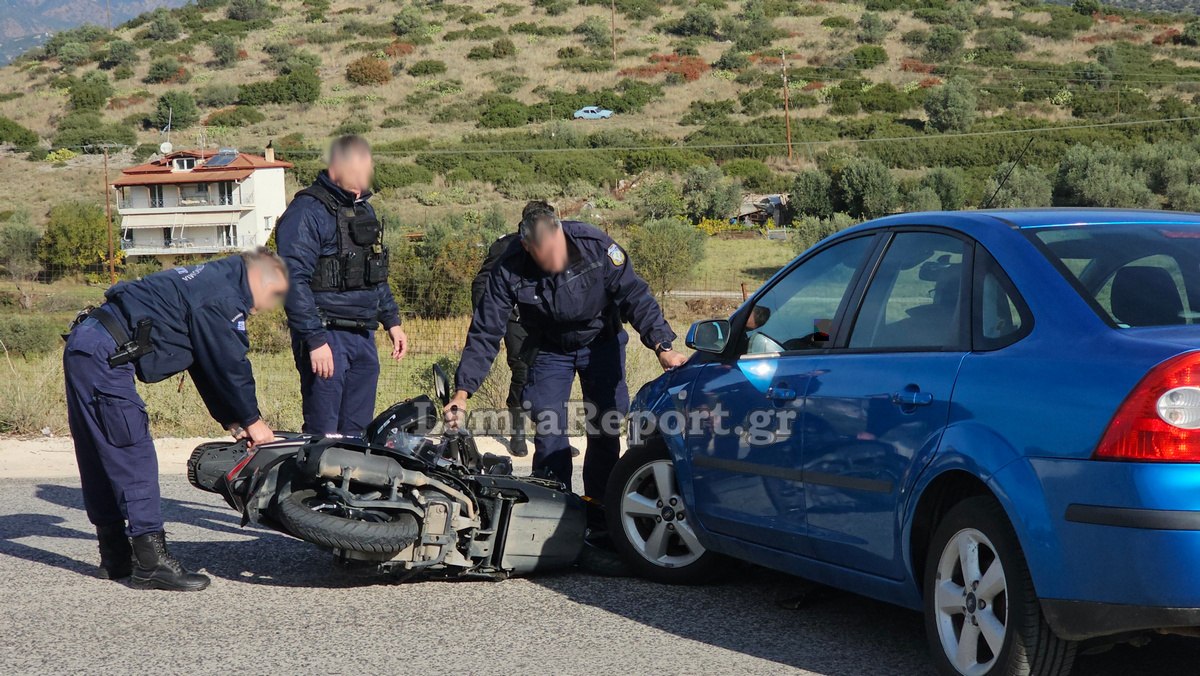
x=260 y=433
x=322 y=361
x=455 y=413
x=237 y=432
x=670 y=359
x=399 y=342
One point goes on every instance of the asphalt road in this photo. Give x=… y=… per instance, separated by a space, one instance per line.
x=277 y=606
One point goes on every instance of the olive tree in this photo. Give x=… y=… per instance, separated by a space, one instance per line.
x=951 y=107
x=665 y=251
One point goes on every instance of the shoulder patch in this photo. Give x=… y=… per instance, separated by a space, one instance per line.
x=616 y=255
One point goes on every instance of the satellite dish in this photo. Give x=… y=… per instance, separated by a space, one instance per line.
x=166 y=148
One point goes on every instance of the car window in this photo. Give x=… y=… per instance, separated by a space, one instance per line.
x=1133 y=275
x=1000 y=317
x=800 y=309
x=915 y=298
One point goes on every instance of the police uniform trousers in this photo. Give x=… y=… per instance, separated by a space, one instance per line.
x=601 y=369
x=118 y=466
x=514 y=346
x=345 y=403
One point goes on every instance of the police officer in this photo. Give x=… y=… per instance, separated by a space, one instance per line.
x=333 y=245
x=514 y=347
x=573 y=286
x=186 y=319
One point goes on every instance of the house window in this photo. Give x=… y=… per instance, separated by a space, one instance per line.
x=156 y=196
x=267 y=222
x=225 y=192
x=185 y=164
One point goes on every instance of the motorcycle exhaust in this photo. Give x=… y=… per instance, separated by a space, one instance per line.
x=375 y=470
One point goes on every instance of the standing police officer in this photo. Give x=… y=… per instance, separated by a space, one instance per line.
x=189 y=318
x=333 y=245
x=515 y=336
x=573 y=286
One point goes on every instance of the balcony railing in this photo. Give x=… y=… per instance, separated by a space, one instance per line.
x=185 y=245
x=235 y=199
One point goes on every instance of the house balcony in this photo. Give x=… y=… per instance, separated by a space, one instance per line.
x=134 y=205
x=185 y=245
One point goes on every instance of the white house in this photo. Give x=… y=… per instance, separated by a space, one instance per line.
x=200 y=202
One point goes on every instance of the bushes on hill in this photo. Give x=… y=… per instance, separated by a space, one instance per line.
x=864 y=188
x=250 y=10
x=812 y=194
x=696 y=22
x=163 y=27
x=166 y=69
x=90 y=93
x=217 y=95
x=368 y=70
x=396 y=175
x=238 y=116
x=808 y=230
x=872 y=28
x=409 y=23
x=665 y=251
x=754 y=174
x=427 y=67
x=869 y=56
x=12 y=133
x=74 y=54
x=119 y=53
x=948 y=185
x=176 y=108
x=302 y=86
x=707 y=193
x=76 y=238
x=943 y=43
x=1026 y=187
x=85 y=131
x=952 y=106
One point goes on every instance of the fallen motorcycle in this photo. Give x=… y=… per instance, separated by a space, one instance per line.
x=400 y=501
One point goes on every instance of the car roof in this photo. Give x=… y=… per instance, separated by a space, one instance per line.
x=1034 y=218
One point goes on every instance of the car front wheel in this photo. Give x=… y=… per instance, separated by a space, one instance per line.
x=982 y=615
x=648 y=522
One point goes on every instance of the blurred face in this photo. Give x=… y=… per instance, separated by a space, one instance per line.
x=353 y=172
x=268 y=286
x=551 y=252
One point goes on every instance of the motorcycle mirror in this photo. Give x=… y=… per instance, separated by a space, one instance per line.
x=441 y=384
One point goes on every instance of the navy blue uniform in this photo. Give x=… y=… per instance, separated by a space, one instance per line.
x=345 y=403
x=199 y=326
x=514 y=336
x=576 y=318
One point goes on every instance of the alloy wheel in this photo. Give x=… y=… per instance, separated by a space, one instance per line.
x=654 y=518
x=971 y=602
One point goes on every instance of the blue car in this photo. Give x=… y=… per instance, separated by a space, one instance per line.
x=993 y=417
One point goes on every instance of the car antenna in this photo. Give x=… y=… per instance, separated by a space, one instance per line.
x=1008 y=173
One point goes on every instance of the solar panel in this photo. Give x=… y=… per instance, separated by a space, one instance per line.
x=224 y=157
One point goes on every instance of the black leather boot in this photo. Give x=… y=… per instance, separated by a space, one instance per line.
x=518 y=447
x=116 y=556
x=155 y=568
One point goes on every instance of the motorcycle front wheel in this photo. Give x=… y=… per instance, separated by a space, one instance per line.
x=319 y=521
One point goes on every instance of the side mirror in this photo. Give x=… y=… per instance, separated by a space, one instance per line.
x=711 y=335
x=441 y=384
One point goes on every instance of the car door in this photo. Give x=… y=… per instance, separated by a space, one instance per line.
x=745 y=459
x=877 y=403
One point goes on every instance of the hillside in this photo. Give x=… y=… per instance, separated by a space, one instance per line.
x=435 y=84
x=25 y=24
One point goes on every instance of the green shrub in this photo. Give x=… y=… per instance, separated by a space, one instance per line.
x=177 y=108
x=14 y=134
x=812 y=194
x=808 y=230
x=427 y=67
x=119 y=53
x=299 y=87
x=1026 y=187
x=952 y=106
x=837 y=22
x=872 y=28
x=163 y=27
x=707 y=193
x=1008 y=40
x=166 y=69
x=91 y=92
x=122 y=73
x=357 y=126
x=665 y=252
x=225 y=51
x=30 y=334
x=409 y=23
x=76 y=238
x=869 y=56
x=696 y=22
x=948 y=185
x=503 y=49
x=217 y=95
x=595 y=33
x=87 y=131
x=943 y=43
x=657 y=198
x=1099 y=176
x=239 y=116
x=250 y=10
x=915 y=38
x=396 y=175
x=865 y=189
x=753 y=174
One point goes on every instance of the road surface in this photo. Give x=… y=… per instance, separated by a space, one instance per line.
x=276 y=606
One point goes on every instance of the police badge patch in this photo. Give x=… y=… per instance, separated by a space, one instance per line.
x=616 y=255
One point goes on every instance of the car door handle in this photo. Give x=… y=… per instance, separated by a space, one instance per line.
x=912 y=398
x=781 y=393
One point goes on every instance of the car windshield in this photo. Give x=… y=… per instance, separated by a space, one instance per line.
x=1132 y=275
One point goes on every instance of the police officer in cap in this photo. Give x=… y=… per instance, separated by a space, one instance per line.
x=186 y=319
x=333 y=244
x=573 y=287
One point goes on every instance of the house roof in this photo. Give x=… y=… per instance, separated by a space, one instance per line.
x=160 y=172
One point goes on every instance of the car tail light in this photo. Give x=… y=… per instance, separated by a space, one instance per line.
x=237 y=469
x=1160 y=419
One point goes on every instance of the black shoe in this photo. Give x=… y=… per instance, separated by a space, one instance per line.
x=116 y=555
x=155 y=568
x=518 y=447
x=598 y=556
x=574 y=452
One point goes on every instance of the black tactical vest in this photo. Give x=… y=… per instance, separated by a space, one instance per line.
x=361 y=260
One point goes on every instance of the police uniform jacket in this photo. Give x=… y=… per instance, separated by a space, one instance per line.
x=564 y=311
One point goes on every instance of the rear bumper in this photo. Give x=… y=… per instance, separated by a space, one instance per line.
x=1080 y=620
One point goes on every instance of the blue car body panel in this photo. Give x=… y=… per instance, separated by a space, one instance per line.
x=1023 y=421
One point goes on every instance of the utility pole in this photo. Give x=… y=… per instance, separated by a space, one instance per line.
x=613 y=9
x=108 y=14
x=112 y=269
x=787 y=106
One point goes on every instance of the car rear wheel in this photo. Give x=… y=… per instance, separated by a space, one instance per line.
x=982 y=615
x=648 y=522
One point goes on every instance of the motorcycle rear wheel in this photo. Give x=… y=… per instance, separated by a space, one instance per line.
x=336 y=532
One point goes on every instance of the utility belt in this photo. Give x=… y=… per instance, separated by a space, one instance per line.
x=129 y=348
x=348 y=324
